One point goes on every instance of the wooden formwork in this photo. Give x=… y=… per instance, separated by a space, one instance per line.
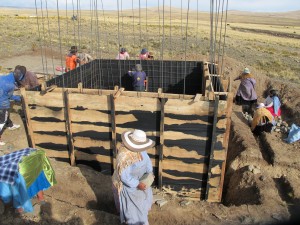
x=85 y=125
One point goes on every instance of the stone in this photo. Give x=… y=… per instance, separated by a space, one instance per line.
x=184 y=203
x=251 y=168
x=161 y=203
x=277 y=130
x=256 y=171
x=157 y=197
x=262 y=178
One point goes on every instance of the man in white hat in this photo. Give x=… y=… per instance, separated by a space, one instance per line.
x=132 y=191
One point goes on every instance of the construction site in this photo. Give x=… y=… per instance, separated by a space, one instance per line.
x=209 y=167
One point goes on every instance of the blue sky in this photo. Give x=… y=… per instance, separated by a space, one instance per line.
x=243 y=5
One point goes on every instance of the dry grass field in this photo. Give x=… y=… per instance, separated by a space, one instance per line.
x=267 y=43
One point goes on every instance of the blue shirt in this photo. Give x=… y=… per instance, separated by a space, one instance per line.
x=7 y=87
x=138 y=78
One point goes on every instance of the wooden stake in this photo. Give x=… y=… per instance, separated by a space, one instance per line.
x=69 y=128
x=80 y=87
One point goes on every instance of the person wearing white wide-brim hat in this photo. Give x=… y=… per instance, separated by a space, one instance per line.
x=133 y=177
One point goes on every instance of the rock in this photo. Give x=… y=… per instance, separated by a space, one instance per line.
x=277 y=130
x=184 y=203
x=277 y=217
x=256 y=171
x=251 y=168
x=246 y=220
x=161 y=203
x=278 y=124
x=157 y=197
x=284 y=124
x=262 y=178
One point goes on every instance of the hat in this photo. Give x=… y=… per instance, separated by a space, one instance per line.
x=136 y=141
x=144 y=51
x=123 y=50
x=260 y=105
x=138 y=67
x=246 y=70
x=73 y=49
x=19 y=72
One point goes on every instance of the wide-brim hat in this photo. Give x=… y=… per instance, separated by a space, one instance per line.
x=136 y=140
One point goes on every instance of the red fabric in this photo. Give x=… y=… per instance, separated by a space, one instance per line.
x=271 y=109
x=71 y=62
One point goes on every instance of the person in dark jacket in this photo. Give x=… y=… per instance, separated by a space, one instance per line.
x=7 y=87
x=139 y=78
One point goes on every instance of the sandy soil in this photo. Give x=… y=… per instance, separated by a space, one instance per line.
x=267 y=196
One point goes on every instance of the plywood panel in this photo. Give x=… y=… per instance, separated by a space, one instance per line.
x=127 y=104
x=56 y=154
x=172 y=164
x=48 y=126
x=76 y=127
x=172 y=121
x=81 y=142
x=178 y=152
x=44 y=112
x=173 y=135
x=50 y=99
x=92 y=116
x=187 y=107
x=86 y=101
x=45 y=138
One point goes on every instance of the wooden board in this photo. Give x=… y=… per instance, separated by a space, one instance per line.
x=92 y=116
x=44 y=112
x=50 y=99
x=85 y=101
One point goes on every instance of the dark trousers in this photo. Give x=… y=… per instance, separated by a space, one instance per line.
x=4 y=120
x=139 y=88
x=264 y=128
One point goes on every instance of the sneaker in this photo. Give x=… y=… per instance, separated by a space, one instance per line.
x=2 y=143
x=15 y=126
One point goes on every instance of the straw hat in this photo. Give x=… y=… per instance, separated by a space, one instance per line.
x=136 y=141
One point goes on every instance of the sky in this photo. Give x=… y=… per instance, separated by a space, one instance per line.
x=203 y=5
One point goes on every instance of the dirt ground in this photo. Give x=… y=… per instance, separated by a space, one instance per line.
x=261 y=183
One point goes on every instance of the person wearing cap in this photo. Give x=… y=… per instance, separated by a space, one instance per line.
x=123 y=54
x=144 y=55
x=30 y=79
x=139 y=78
x=263 y=120
x=246 y=94
x=7 y=87
x=133 y=195
x=272 y=103
x=71 y=59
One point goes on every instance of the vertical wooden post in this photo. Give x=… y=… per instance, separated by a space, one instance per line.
x=161 y=144
x=69 y=128
x=113 y=129
x=80 y=87
x=212 y=145
x=27 y=118
x=226 y=139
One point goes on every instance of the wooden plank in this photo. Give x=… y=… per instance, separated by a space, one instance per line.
x=161 y=144
x=50 y=99
x=27 y=118
x=45 y=138
x=184 y=107
x=57 y=154
x=178 y=152
x=86 y=101
x=93 y=157
x=166 y=175
x=226 y=140
x=172 y=164
x=48 y=126
x=43 y=112
x=174 y=135
x=92 y=116
x=68 y=117
x=213 y=140
x=76 y=127
x=83 y=142
x=120 y=130
x=127 y=104
x=121 y=119
x=113 y=129
x=171 y=121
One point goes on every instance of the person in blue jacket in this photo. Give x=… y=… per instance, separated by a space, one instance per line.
x=139 y=78
x=7 y=87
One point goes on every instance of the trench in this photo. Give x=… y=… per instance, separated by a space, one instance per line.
x=285 y=192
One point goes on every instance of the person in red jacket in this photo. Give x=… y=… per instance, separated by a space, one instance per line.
x=71 y=59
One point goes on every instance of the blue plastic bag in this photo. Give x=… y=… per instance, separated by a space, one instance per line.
x=294 y=134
